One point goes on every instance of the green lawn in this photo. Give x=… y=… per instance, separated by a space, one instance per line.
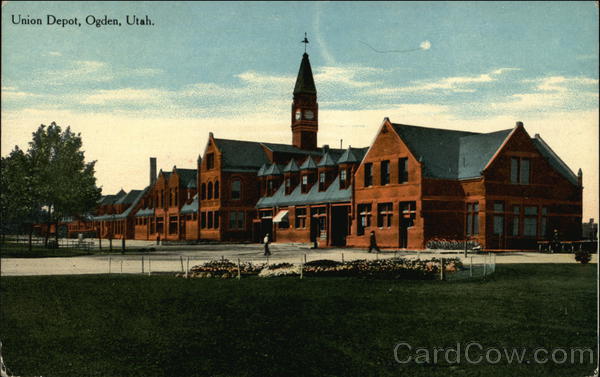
x=166 y=326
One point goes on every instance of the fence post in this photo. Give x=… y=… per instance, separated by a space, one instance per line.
x=484 y=265
x=142 y=264
x=181 y=260
x=302 y=267
x=471 y=267
x=342 y=257
x=442 y=268
x=121 y=265
x=149 y=266
x=304 y=258
x=109 y=263
x=187 y=265
x=239 y=270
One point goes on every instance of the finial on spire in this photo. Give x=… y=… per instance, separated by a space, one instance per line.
x=305 y=41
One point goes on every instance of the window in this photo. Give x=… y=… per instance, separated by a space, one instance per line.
x=385 y=212
x=385 y=172
x=322 y=177
x=209 y=220
x=216 y=189
x=173 y=224
x=472 y=218
x=203 y=191
x=403 y=170
x=530 y=221
x=319 y=214
x=270 y=185
x=520 y=170
x=300 y=218
x=544 y=223
x=368 y=174
x=210 y=161
x=408 y=212
x=499 y=218
x=203 y=220
x=236 y=189
x=364 y=217
x=209 y=191
x=304 y=183
x=236 y=220
x=343 y=178
x=288 y=185
x=515 y=220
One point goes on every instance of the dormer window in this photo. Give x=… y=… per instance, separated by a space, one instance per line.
x=385 y=172
x=322 y=180
x=236 y=189
x=343 y=178
x=288 y=185
x=519 y=170
x=304 y=183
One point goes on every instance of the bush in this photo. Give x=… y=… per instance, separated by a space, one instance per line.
x=445 y=244
x=583 y=256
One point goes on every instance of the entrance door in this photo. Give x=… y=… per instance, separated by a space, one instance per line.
x=339 y=225
x=266 y=226
x=404 y=224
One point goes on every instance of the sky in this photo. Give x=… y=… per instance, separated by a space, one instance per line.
x=136 y=91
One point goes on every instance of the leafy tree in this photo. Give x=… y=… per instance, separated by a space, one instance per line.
x=55 y=176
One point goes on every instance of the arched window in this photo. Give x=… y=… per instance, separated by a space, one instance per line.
x=236 y=189
x=203 y=191
x=210 y=190
x=216 y=189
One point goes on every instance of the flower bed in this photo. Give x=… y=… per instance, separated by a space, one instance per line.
x=445 y=244
x=395 y=268
x=225 y=268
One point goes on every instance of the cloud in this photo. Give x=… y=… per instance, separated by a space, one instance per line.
x=425 y=45
x=13 y=93
x=54 y=53
x=456 y=84
x=126 y=95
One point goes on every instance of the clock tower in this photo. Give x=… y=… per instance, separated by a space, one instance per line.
x=305 y=109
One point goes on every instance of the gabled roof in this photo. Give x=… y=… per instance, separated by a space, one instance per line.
x=127 y=212
x=477 y=150
x=436 y=148
x=288 y=148
x=305 y=82
x=129 y=198
x=309 y=163
x=291 y=167
x=333 y=194
x=326 y=160
x=191 y=207
x=348 y=157
x=553 y=159
x=248 y=155
x=274 y=169
x=186 y=175
x=261 y=171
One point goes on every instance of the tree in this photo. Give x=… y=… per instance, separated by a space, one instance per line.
x=55 y=176
x=19 y=202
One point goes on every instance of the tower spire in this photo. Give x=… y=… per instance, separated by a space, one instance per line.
x=305 y=41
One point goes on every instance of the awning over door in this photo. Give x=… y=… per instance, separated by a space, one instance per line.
x=282 y=216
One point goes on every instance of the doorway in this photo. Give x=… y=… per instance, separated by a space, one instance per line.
x=339 y=225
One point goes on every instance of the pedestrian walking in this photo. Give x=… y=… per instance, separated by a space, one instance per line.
x=373 y=242
x=266 y=241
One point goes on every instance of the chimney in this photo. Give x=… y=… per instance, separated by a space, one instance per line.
x=519 y=124
x=580 y=177
x=152 y=170
x=325 y=148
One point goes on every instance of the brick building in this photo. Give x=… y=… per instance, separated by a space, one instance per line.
x=412 y=185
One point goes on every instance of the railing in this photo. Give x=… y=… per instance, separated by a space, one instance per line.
x=64 y=243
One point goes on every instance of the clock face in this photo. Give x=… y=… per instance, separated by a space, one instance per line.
x=308 y=114
x=298 y=114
